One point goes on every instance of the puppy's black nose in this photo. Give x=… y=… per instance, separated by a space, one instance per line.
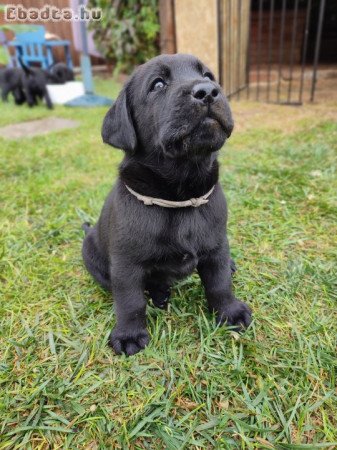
x=205 y=92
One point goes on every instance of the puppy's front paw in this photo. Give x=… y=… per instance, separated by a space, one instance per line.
x=128 y=341
x=235 y=314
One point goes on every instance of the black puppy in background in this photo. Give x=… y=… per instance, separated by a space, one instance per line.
x=11 y=83
x=34 y=85
x=26 y=84
x=60 y=73
x=33 y=80
x=171 y=119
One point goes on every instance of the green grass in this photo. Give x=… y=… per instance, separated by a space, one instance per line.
x=195 y=386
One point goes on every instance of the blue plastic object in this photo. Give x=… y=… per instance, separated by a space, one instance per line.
x=32 y=47
x=89 y=98
x=29 y=46
x=66 y=46
x=87 y=74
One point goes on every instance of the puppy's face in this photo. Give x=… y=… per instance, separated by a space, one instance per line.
x=60 y=73
x=173 y=105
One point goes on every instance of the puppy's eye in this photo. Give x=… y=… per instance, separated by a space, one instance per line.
x=209 y=76
x=158 y=84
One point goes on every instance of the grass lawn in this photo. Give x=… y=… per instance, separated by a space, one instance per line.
x=195 y=386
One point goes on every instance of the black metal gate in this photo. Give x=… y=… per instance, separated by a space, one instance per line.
x=281 y=56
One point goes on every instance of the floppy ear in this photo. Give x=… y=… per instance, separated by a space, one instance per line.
x=118 y=129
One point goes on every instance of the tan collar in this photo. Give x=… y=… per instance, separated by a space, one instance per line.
x=149 y=201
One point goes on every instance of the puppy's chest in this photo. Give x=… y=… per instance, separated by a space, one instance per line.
x=185 y=236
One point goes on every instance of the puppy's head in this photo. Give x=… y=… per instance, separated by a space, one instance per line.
x=173 y=105
x=59 y=73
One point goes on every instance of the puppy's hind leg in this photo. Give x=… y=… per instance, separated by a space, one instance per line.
x=96 y=265
x=86 y=227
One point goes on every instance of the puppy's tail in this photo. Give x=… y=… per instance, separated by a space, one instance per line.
x=25 y=68
x=86 y=227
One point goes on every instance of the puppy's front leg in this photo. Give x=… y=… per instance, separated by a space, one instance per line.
x=129 y=335
x=215 y=273
x=48 y=99
x=30 y=99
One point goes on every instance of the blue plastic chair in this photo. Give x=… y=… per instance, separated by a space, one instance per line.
x=66 y=45
x=33 y=47
x=29 y=45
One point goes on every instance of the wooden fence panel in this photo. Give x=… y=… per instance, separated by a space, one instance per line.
x=234 y=46
x=196 y=30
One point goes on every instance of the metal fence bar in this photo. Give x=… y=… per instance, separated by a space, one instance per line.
x=220 y=42
x=230 y=96
x=238 y=65
x=293 y=41
x=317 y=48
x=249 y=48
x=281 y=49
x=270 y=44
x=278 y=70
x=229 y=34
x=259 y=38
x=305 y=47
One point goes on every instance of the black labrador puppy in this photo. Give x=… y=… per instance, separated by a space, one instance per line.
x=34 y=85
x=11 y=83
x=60 y=73
x=167 y=214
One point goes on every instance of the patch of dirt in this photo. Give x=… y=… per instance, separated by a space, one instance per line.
x=36 y=127
x=251 y=115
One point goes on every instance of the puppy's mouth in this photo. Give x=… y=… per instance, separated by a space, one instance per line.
x=209 y=123
x=214 y=119
x=206 y=130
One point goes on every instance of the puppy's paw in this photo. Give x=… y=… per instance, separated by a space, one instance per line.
x=129 y=342
x=160 y=299
x=235 y=314
x=160 y=295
